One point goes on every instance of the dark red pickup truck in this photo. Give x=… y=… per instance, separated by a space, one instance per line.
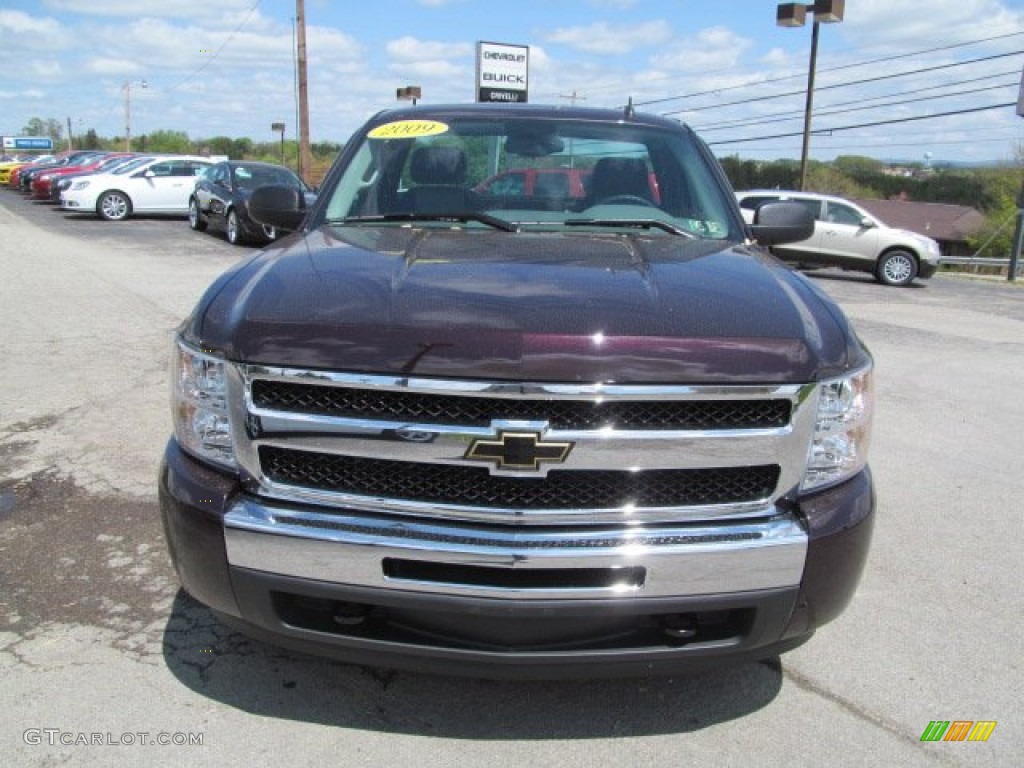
x=441 y=429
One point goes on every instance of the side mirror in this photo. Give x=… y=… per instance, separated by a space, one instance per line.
x=781 y=222
x=278 y=206
x=867 y=223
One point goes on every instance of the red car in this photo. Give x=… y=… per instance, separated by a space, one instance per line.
x=554 y=185
x=14 y=182
x=538 y=182
x=44 y=187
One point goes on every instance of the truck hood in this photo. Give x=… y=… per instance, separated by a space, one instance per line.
x=574 y=307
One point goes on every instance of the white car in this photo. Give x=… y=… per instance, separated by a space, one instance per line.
x=160 y=186
x=847 y=236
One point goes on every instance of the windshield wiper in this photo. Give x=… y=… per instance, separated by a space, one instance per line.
x=483 y=218
x=640 y=223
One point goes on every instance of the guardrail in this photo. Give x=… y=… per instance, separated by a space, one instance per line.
x=974 y=263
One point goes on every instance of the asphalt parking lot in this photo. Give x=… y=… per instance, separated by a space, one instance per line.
x=106 y=662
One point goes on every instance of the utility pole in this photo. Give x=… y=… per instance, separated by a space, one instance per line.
x=127 y=88
x=1018 y=238
x=572 y=101
x=70 y=138
x=305 y=156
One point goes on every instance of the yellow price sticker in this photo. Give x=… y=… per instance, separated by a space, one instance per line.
x=408 y=129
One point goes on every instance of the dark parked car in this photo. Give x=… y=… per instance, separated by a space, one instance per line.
x=221 y=199
x=473 y=433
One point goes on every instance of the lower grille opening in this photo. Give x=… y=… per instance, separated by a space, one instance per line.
x=601 y=630
x=629 y=577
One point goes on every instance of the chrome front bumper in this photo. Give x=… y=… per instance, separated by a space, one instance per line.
x=360 y=550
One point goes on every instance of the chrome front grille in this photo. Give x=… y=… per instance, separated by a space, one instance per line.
x=475 y=411
x=404 y=447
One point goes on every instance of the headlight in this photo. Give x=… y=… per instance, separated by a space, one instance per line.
x=199 y=405
x=842 y=430
x=80 y=185
x=928 y=244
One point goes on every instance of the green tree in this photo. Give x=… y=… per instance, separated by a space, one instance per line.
x=743 y=174
x=51 y=127
x=168 y=141
x=858 y=167
x=241 y=149
x=218 y=145
x=1001 y=188
x=90 y=140
x=832 y=180
x=779 y=174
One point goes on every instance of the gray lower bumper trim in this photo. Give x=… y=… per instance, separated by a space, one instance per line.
x=678 y=560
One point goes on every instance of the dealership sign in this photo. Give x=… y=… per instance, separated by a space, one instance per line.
x=502 y=72
x=28 y=142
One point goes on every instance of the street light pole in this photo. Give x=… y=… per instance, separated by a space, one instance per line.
x=794 y=15
x=127 y=88
x=809 y=107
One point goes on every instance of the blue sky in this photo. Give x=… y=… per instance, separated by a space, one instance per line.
x=227 y=67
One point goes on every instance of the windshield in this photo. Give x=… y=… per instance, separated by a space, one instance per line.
x=250 y=177
x=132 y=164
x=533 y=173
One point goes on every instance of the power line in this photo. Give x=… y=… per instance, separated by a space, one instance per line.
x=918 y=143
x=209 y=61
x=220 y=48
x=792 y=114
x=849 y=83
x=826 y=112
x=895 y=121
x=716 y=91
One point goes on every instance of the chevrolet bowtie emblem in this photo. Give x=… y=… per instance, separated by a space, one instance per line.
x=518 y=451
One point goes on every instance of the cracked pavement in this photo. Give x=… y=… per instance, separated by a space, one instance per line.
x=97 y=638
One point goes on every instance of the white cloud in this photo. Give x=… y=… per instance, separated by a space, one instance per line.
x=135 y=9
x=45 y=69
x=106 y=66
x=430 y=69
x=711 y=49
x=601 y=37
x=539 y=59
x=19 y=30
x=777 y=58
x=876 y=22
x=419 y=60
x=410 y=49
x=21 y=23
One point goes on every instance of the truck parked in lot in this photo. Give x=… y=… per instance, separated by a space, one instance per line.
x=454 y=431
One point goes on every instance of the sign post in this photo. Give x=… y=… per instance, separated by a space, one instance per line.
x=279 y=128
x=502 y=72
x=411 y=93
